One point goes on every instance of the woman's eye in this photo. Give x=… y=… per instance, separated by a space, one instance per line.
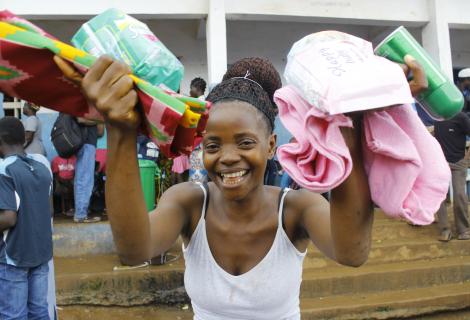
x=211 y=147
x=247 y=143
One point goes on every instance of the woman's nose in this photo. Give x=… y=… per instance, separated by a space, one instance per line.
x=229 y=156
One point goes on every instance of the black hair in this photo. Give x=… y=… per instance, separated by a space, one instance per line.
x=253 y=80
x=12 y=131
x=199 y=83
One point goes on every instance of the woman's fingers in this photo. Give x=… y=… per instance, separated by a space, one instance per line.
x=122 y=86
x=98 y=68
x=419 y=83
x=68 y=70
x=109 y=87
x=114 y=72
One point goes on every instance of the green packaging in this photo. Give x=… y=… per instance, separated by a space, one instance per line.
x=442 y=100
x=131 y=41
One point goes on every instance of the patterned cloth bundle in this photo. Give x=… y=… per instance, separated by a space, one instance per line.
x=27 y=71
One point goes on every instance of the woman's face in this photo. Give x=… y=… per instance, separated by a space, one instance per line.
x=236 y=148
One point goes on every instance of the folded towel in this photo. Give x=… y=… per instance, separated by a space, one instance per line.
x=331 y=73
x=320 y=159
x=407 y=172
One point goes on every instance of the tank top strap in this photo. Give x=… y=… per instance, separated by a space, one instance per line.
x=282 y=196
x=205 y=204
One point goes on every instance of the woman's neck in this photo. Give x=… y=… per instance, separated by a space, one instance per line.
x=243 y=210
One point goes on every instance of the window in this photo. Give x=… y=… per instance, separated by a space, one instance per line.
x=12 y=107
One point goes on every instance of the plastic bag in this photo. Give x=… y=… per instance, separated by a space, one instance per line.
x=338 y=73
x=131 y=41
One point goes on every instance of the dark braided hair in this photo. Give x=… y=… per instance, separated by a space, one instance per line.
x=253 y=80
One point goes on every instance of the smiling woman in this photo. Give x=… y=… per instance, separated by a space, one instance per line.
x=244 y=242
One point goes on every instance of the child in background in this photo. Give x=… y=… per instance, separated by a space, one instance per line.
x=64 y=172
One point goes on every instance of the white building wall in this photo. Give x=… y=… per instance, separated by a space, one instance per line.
x=256 y=27
x=59 y=9
x=263 y=27
x=177 y=23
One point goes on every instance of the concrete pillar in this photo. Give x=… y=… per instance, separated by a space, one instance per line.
x=436 y=38
x=216 y=41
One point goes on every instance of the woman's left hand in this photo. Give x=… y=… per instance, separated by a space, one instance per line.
x=419 y=82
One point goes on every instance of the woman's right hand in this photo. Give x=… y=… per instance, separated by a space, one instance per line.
x=108 y=86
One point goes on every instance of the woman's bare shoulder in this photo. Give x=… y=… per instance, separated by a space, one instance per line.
x=300 y=200
x=185 y=194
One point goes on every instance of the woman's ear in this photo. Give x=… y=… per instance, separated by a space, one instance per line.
x=272 y=145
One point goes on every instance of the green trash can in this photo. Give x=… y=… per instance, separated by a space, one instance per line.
x=147 y=177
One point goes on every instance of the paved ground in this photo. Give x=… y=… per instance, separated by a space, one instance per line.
x=176 y=313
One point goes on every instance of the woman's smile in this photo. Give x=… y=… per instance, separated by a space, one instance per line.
x=233 y=178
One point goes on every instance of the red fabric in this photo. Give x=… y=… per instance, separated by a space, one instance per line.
x=101 y=155
x=40 y=80
x=31 y=74
x=64 y=168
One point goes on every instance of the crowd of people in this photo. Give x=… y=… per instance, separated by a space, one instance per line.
x=223 y=199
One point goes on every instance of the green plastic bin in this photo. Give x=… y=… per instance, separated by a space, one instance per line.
x=148 y=170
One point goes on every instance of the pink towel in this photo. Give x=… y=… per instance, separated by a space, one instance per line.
x=320 y=159
x=407 y=172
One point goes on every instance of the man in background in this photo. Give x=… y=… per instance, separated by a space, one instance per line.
x=25 y=224
x=451 y=135
x=464 y=84
x=85 y=170
x=33 y=130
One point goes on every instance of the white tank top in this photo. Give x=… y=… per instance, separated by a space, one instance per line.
x=270 y=290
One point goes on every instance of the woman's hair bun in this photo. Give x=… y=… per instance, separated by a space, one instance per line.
x=257 y=69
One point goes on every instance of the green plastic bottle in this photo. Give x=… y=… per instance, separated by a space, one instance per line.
x=442 y=100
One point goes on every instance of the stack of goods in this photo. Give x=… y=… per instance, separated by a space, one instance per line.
x=27 y=71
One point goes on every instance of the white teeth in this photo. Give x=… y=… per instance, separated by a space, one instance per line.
x=232 y=181
x=233 y=177
x=234 y=174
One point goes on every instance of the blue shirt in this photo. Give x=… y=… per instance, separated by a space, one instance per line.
x=25 y=186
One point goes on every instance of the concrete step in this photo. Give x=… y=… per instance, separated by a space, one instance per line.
x=398 y=250
x=92 y=280
x=450 y=315
x=73 y=240
x=79 y=239
x=392 y=230
x=125 y=313
x=338 y=280
x=407 y=303
x=452 y=302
